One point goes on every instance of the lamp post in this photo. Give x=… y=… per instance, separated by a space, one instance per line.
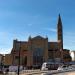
x=19 y=58
x=1 y=64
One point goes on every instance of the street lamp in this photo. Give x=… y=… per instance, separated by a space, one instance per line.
x=19 y=57
x=1 y=63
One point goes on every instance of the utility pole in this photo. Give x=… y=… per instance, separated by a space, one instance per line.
x=1 y=64
x=19 y=58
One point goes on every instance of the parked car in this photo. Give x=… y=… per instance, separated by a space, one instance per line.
x=36 y=66
x=65 y=68
x=44 y=66
x=1 y=72
x=14 y=68
x=50 y=65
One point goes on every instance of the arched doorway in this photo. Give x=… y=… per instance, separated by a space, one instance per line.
x=38 y=57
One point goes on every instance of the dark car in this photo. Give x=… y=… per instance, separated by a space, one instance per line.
x=1 y=72
x=36 y=66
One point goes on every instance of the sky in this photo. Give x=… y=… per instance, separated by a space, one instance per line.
x=20 y=19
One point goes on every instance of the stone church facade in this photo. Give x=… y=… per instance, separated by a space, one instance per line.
x=38 y=49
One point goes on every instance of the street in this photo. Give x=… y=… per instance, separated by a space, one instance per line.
x=43 y=73
x=66 y=73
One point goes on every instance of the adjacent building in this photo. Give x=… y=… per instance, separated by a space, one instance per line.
x=7 y=60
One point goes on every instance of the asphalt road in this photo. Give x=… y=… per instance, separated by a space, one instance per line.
x=66 y=73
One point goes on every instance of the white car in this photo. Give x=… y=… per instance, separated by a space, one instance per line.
x=44 y=66
x=65 y=68
x=14 y=68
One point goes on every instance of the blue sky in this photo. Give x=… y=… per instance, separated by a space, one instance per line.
x=21 y=18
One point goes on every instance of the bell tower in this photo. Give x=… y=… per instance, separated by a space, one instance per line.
x=60 y=35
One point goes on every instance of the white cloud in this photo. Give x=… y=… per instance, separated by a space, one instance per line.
x=5 y=50
x=69 y=40
x=50 y=29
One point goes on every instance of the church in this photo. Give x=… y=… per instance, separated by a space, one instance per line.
x=38 y=49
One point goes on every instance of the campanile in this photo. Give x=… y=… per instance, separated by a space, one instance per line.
x=60 y=35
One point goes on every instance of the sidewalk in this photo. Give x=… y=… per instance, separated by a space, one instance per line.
x=39 y=72
x=35 y=72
